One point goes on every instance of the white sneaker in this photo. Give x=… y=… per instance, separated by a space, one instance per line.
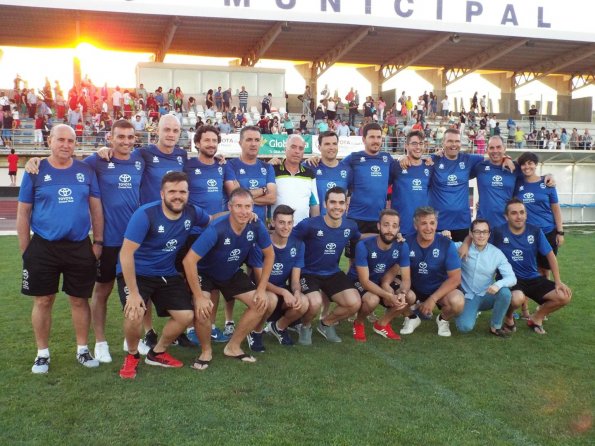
x=409 y=325
x=86 y=360
x=41 y=365
x=443 y=327
x=102 y=352
x=143 y=348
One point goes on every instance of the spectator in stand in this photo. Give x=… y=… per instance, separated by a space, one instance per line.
x=266 y=104
x=243 y=97
x=226 y=99
x=380 y=106
x=39 y=125
x=179 y=98
x=445 y=106
x=287 y=124
x=519 y=138
x=511 y=126
x=116 y=101
x=7 y=124
x=564 y=138
x=218 y=96
x=532 y=117
x=224 y=126
x=574 y=139
x=483 y=104
x=79 y=130
x=532 y=139
x=209 y=102
x=331 y=108
x=586 y=140
x=13 y=165
x=159 y=97
x=304 y=124
x=369 y=109
x=352 y=113
x=433 y=105
x=480 y=141
x=141 y=92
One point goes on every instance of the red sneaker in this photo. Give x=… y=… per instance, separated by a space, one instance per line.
x=386 y=331
x=162 y=359
x=128 y=370
x=359 y=331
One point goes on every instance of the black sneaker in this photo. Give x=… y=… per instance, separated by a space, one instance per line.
x=150 y=338
x=281 y=335
x=255 y=342
x=183 y=341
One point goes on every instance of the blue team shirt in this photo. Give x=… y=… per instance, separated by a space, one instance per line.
x=323 y=244
x=222 y=251
x=410 y=191
x=205 y=187
x=369 y=184
x=329 y=177
x=158 y=164
x=160 y=238
x=449 y=190
x=119 y=182
x=378 y=261
x=286 y=258
x=521 y=250
x=60 y=199
x=538 y=200
x=251 y=176
x=496 y=186
x=430 y=266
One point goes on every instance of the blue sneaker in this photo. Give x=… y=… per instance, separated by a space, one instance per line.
x=191 y=335
x=281 y=335
x=255 y=342
x=218 y=336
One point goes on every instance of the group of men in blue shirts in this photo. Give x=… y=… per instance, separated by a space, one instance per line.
x=293 y=270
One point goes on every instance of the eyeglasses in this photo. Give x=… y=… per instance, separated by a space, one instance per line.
x=415 y=144
x=478 y=232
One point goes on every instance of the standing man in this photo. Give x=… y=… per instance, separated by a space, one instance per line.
x=13 y=166
x=411 y=184
x=243 y=97
x=119 y=182
x=142 y=93
x=435 y=273
x=378 y=260
x=266 y=104
x=324 y=238
x=117 y=102
x=218 y=96
x=532 y=117
x=521 y=243
x=65 y=193
x=482 y=292
x=306 y=99
x=369 y=181
x=219 y=253
x=284 y=281
x=296 y=183
x=250 y=173
x=147 y=271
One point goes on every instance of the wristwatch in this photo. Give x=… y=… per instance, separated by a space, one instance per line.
x=560 y=232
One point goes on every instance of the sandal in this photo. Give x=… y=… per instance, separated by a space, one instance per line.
x=535 y=327
x=200 y=364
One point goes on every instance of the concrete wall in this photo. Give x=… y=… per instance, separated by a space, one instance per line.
x=581 y=109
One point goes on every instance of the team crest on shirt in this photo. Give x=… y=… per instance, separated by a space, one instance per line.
x=462 y=165
x=542 y=185
x=250 y=236
x=416 y=184
x=137 y=164
x=441 y=166
x=373 y=255
x=47 y=178
x=197 y=172
x=395 y=254
x=384 y=159
x=180 y=160
x=375 y=171
x=227 y=241
x=155 y=159
x=346 y=233
x=423 y=268
x=161 y=229
x=293 y=252
x=220 y=170
x=530 y=239
x=242 y=172
x=380 y=268
x=263 y=171
x=427 y=172
x=505 y=240
x=517 y=255
x=436 y=253
x=111 y=165
x=343 y=174
x=171 y=245
x=234 y=255
x=452 y=180
x=320 y=233
x=80 y=177
x=187 y=224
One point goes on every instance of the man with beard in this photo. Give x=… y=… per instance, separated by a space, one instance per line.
x=378 y=261
x=147 y=270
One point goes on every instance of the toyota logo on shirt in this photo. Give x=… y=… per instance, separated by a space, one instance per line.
x=253 y=183
x=529 y=196
x=171 y=245
x=65 y=192
x=375 y=171
x=277 y=268
x=497 y=179
x=330 y=185
x=212 y=183
x=517 y=254
x=125 y=178
x=452 y=178
x=331 y=246
x=416 y=182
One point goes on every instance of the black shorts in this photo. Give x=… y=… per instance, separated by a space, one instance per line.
x=240 y=283
x=364 y=227
x=535 y=289
x=457 y=235
x=182 y=252
x=542 y=260
x=12 y=172
x=423 y=297
x=330 y=285
x=106 y=266
x=362 y=290
x=167 y=293
x=279 y=310
x=44 y=261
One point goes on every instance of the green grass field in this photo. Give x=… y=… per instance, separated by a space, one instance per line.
x=470 y=389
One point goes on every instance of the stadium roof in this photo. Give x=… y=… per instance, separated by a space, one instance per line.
x=298 y=41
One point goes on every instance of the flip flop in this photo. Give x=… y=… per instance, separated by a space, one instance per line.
x=500 y=332
x=200 y=364
x=242 y=357
x=535 y=327
x=511 y=328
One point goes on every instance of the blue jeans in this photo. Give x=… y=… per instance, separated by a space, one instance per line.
x=499 y=302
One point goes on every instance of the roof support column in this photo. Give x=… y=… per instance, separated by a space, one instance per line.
x=374 y=76
x=563 y=87
x=437 y=78
x=507 y=105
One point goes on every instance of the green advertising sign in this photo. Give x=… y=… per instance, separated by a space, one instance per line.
x=275 y=144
